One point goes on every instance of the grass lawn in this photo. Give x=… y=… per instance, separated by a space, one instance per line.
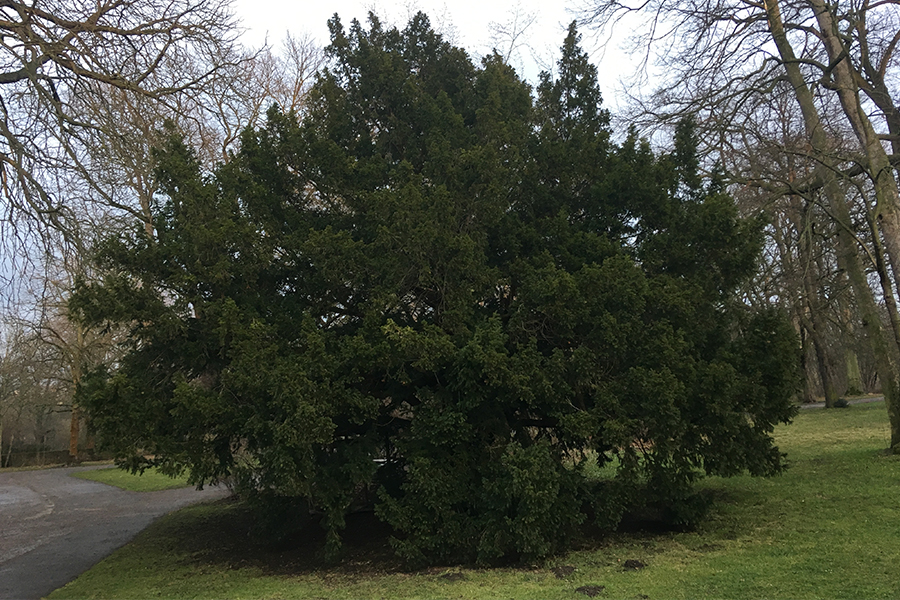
x=828 y=528
x=151 y=481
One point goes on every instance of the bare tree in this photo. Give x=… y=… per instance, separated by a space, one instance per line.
x=722 y=57
x=211 y=116
x=836 y=29
x=12 y=375
x=56 y=53
x=29 y=389
x=509 y=37
x=70 y=346
x=84 y=91
x=801 y=271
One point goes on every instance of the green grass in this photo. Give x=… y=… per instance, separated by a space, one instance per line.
x=150 y=481
x=828 y=528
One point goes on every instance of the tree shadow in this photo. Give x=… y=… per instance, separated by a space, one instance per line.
x=224 y=537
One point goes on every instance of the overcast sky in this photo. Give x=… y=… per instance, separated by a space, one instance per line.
x=467 y=23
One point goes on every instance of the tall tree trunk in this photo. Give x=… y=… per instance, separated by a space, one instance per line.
x=812 y=316
x=12 y=440
x=854 y=378
x=73 y=433
x=890 y=301
x=855 y=384
x=74 y=425
x=845 y=79
x=815 y=330
x=846 y=245
x=871 y=79
x=809 y=395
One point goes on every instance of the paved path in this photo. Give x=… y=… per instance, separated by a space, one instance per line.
x=849 y=401
x=53 y=527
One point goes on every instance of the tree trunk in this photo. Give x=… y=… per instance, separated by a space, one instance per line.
x=808 y=392
x=74 y=426
x=827 y=374
x=846 y=245
x=812 y=315
x=854 y=378
x=12 y=439
x=875 y=87
x=823 y=360
x=855 y=385
x=887 y=195
x=890 y=301
x=73 y=433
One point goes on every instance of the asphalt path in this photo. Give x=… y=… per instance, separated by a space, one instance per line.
x=53 y=527
x=849 y=401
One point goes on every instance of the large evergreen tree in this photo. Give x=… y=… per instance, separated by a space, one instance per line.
x=440 y=289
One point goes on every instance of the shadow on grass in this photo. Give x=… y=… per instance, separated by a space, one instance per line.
x=220 y=535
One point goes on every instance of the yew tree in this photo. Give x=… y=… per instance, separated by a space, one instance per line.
x=439 y=293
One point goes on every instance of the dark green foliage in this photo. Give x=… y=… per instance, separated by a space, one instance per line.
x=440 y=293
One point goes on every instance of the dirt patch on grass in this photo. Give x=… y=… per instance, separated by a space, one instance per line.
x=632 y=564
x=591 y=590
x=563 y=571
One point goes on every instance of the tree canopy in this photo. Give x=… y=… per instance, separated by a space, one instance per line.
x=438 y=293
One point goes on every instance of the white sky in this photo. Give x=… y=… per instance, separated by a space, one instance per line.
x=466 y=23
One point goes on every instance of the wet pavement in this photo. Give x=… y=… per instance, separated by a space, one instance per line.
x=53 y=527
